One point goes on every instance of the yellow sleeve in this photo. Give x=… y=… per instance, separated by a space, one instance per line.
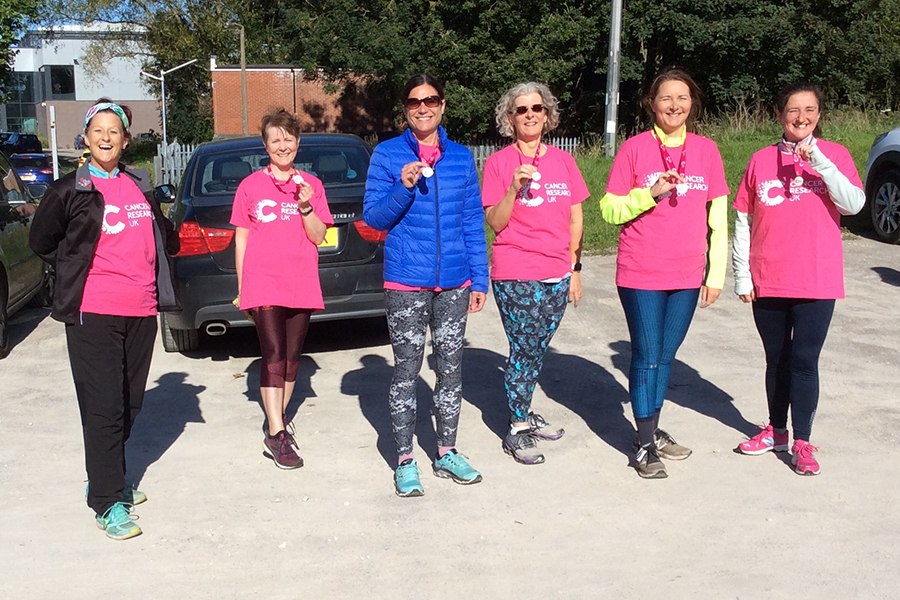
x=621 y=209
x=717 y=254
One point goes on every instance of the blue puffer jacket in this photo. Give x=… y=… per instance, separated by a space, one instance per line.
x=435 y=230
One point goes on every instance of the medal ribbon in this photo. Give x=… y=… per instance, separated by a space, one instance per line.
x=525 y=190
x=435 y=154
x=280 y=184
x=667 y=158
x=791 y=147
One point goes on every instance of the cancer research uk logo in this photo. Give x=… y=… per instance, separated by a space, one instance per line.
x=113 y=223
x=551 y=190
x=265 y=214
x=691 y=182
x=771 y=192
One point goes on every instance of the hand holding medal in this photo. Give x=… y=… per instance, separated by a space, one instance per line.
x=410 y=173
x=665 y=183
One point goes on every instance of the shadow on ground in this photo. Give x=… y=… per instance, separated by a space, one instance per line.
x=888 y=275
x=371 y=384
x=23 y=323
x=167 y=409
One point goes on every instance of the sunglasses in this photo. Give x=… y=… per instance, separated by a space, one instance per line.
x=430 y=102
x=521 y=110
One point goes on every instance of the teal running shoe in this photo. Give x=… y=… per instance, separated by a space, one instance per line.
x=453 y=465
x=117 y=523
x=131 y=495
x=406 y=479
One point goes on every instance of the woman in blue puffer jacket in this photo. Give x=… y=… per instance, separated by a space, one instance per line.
x=423 y=190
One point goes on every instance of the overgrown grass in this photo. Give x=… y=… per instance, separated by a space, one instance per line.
x=738 y=137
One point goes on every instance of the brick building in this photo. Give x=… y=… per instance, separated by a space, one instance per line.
x=353 y=107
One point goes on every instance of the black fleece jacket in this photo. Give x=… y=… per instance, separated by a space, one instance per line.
x=66 y=229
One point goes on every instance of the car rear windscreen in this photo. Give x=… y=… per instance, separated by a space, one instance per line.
x=19 y=162
x=220 y=174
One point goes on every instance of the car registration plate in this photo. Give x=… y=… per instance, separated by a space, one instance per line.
x=27 y=177
x=331 y=238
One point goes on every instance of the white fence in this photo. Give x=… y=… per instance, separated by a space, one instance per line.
x=482 y=152
x=177 y=157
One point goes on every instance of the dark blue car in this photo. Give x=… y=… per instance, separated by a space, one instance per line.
x=32 y=168
x=351 y=259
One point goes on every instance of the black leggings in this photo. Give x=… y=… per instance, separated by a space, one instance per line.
x=281 y=334
x=793 y=332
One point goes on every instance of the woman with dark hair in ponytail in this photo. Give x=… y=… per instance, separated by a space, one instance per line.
x=789 y=263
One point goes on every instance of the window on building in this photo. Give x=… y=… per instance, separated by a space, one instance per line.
x=60 y=82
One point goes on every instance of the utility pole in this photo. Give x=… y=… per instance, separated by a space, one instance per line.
x=612 y=78
x=162 y=88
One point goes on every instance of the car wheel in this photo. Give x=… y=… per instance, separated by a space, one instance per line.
x=177 y=340
x=44 y=297
x=4 y=327
x=886 y=206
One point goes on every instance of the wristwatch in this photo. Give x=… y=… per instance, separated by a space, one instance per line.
x=306 y=212
x=576 y=267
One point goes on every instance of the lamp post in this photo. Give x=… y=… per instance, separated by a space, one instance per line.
x=612 y=78
x=162 y=88
x=244 y=126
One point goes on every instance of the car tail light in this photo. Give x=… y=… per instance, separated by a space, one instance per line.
x=369 y=234
x=47 y=171
x=202 y=240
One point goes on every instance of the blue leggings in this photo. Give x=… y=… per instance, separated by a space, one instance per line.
x=658 y=321
x=531 y=312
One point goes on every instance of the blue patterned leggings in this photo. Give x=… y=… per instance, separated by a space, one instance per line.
x=531 y=312
x=408 y=315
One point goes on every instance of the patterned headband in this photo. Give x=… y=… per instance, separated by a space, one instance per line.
x=106 y=106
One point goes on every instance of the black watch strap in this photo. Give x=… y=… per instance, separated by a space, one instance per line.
x=576 y=268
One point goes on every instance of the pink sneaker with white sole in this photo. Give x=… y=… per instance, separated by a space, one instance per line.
x=765 y=441
x=802 y=458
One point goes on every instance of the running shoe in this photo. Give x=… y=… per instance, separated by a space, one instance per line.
x=666 y=446
x=802 y=458
x=541 y=429
x=648 y=465
x=406 y=479
x=765 y=441
x=131 y=495
x=522 y=446
x=280 y=448
x=454 y=465
x=117 y=523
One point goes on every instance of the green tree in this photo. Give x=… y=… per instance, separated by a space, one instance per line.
x=15 y=16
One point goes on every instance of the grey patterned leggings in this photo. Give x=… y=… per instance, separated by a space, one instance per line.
x=408 y=316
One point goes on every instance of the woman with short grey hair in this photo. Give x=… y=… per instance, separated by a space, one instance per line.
x=532 y=194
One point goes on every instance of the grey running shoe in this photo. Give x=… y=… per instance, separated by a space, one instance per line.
x=648 y=465
x=669 y=448
x=522 y=446
x=542 y=429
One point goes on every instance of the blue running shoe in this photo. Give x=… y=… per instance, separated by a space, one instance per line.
x=117 y=523
x=453 y=465
x=131 y=495
x=406 y=479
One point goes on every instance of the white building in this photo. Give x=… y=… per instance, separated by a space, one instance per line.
x=54 y=68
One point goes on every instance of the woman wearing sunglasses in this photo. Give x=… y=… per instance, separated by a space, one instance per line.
x=423 y=190
x=667 y=188
x=789 y=263
x=532 y=194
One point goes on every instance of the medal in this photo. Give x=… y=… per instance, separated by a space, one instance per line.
x=298 y=178
x=536 y=176
x=797 y=181
x=428 y=172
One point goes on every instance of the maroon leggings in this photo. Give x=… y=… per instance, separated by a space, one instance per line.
x=281 y=333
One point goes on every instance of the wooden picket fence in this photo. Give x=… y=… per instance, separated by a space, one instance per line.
x=177 y=156
x=482 y=151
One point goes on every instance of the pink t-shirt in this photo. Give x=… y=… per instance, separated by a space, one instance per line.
x=281 y=264
x=534 y=245
x=665 y=248
x=795 y=239
x=122 y=277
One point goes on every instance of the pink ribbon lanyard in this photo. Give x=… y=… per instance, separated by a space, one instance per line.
x=432 y=160
x=537 y=155
x=791 y=147
x=281 y=184
x=667 y=158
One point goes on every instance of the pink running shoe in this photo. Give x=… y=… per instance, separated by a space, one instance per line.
x=765 y=441
x=803 y=459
